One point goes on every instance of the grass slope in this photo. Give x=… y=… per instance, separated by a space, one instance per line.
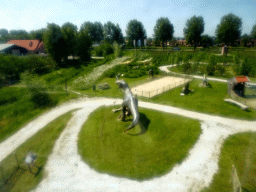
x=17 y=109
x=20 y=179
x=239 y=150
x=142 y=154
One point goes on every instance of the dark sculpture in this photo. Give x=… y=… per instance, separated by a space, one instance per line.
x=130 y=104
x=150 y=73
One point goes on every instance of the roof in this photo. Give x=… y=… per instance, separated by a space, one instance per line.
x=242 y=79
x=31 y=45
x=5 y=46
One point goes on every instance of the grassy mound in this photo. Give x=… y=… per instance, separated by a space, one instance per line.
x=163 y=141
x=238 y=150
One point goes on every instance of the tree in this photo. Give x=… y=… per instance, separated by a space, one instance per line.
x=94 y=30
x=112 y=33
x=245 y=39
x=193 y=30
x=84 y=44
x=3 y=32
x=253 y=32
x=206 y=40
x=19 y=34
x=163 y=30
x=54 y=42
x=135 y=31
x=37 y=34
x=229 y=29
x=69 y=32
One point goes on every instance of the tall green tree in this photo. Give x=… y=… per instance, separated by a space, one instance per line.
x=112 y=33
x=54 y=42
x=163 y=30
x=193 y=30
x=69 y=32
x=84 y=45
x=253 y=32
x=245 y=39
x=229 y=29
x=135 y=31
x=94 y=30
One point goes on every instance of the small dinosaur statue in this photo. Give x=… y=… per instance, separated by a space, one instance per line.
x=129 y=102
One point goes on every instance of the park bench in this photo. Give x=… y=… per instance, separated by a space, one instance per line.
x=103 y=86
x=244 y=107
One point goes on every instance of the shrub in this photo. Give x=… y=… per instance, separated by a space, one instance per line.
x=117 y=50
x=104 y=50
x=36 y=88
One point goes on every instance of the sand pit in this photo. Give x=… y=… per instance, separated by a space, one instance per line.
x=158 y=86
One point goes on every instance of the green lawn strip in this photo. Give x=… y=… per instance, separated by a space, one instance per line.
x=20 y=179
x=152 y=151
x=17 y=109
x=238 y=150
x=204 y=100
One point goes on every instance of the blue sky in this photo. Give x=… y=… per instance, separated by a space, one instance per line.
x=32 y=15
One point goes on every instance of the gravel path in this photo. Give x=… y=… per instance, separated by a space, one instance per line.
x=97 y=72
x=65 y=171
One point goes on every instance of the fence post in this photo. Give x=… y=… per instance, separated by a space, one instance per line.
x=149 y=94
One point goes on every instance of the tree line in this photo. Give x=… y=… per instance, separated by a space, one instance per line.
x=64 y=40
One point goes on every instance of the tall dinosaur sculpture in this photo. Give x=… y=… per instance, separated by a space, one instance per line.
x=130 y=103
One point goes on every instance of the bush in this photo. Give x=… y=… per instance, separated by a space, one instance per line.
x=36 y=88
x=117 y=50
x=104 y=50
x=211 y=67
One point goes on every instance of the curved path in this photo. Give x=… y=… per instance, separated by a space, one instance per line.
x=65 y=171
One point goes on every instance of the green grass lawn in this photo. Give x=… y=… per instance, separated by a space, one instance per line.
x=238 y=150
x=204 y=100
x=151 y=151
x=17 y=109
x=20 y=179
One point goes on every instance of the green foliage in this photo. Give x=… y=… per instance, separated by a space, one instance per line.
x=94 y=30
x=193 y=30
x=211 y=66
x=109 y=150
x=55 y=43
x=135 y=31
x=246 y=67
x=229 y=29
x=253 y=32
x=163 y=30
x=104 y=50
x=3 y=32
x=117 y=49
x=186 y=67
x=206 y=40
x=37 y=34
x=37 y=88
x=113 y=33
x=84 y=44
x=69 y=32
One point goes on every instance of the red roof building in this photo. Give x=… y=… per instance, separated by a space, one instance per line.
x=33 y=46
x=242 y=79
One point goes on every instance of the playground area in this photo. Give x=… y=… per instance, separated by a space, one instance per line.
x=158 y=86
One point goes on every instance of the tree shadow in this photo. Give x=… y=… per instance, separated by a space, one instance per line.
x=144 y=123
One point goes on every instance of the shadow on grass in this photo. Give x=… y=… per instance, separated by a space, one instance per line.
x=144 y=123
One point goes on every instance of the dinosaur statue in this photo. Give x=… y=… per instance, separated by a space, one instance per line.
x=130 y=103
